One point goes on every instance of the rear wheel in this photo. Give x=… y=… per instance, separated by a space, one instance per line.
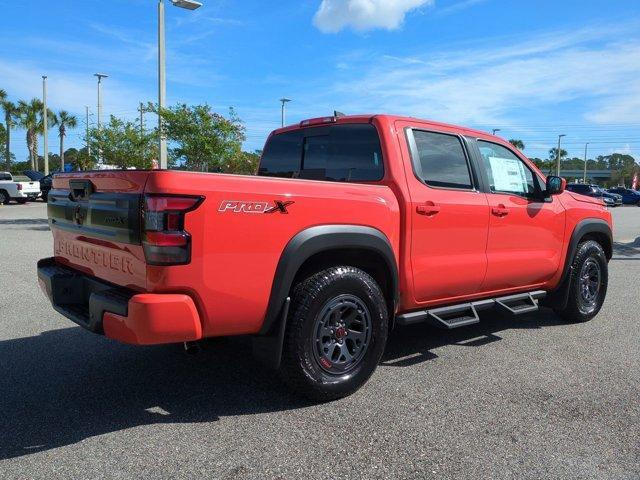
x=336 y=333
x=588 y=283
x=4 y=198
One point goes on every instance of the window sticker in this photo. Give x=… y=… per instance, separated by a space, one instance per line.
x=507 y=175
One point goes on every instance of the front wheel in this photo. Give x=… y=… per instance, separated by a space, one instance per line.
x=336 y=333
x=588 y=283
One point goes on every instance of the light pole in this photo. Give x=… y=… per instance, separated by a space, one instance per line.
x=100 y=77
x=162 y=80
x=284 y=101
x=86 y=107
x=495 y=130
x=558 y=155
x=584 y=176
x=45 y=124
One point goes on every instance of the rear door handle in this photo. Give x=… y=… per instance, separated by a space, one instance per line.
x=428 y=208
x=500 y=211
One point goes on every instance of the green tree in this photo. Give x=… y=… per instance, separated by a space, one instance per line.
x=65 y=120
x=81 y=159
x=30 y=118
x=199 y=138
x=123 y=144
x=243 y=163
x=10 y=112
x=553 y=154
x=54 y=161
x=3 y=139
x=519 y=144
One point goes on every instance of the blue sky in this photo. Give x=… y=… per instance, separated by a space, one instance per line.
x=534 y=69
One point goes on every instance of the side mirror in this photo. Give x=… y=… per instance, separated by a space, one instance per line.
x=555 y=185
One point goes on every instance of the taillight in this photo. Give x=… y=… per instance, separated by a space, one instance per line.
x=165 y=241
x=18 y=186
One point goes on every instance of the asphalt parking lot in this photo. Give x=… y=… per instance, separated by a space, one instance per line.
x=529 y=397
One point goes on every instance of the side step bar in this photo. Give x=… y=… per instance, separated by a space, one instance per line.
x=463 y=314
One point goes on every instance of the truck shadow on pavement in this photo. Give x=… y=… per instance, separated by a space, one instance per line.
x=63 y=386
x=626 y=251
x=24 y=221
x=413 y=344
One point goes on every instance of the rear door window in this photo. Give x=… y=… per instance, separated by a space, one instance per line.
x=340 y=153
x=441 y=160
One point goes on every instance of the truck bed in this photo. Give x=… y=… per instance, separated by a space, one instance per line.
x=238 y=233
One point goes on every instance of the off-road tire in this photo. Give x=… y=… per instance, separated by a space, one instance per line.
x=302 y=366
x=589 y=256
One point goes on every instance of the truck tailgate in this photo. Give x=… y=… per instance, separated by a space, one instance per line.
x=95 y=218
x=30 y=187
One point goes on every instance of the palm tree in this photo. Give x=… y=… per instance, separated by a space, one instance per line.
x=30 y=118
x=3 y=98
x=64 y=120
x=10 y=113
x=519 y=144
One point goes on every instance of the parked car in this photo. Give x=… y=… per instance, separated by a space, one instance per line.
x=629 y=196
x=585 y=189
x=353 y=226
x=18 y=191
x=45 y=182
x=613 y=199
x=592 y=191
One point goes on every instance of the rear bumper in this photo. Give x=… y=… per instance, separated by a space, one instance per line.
x=23 y=194
x=118 y=313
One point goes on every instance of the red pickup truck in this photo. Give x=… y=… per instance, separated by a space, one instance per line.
x=353 y=225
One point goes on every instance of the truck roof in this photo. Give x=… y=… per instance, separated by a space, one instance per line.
x=366 y=118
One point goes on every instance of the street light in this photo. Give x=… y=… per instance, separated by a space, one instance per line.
x=284 y=101
x=558 y=155
x=162 y=81
x=188 y=4
x=584 y=176
x=45 y=124
x=495 y=130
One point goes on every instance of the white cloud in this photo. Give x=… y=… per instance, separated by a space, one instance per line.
x=489 y=84
x=362 y=15
x=456 y=7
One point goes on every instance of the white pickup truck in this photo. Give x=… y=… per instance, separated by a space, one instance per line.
x=18 y=191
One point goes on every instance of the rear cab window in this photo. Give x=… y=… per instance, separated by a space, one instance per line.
x=338 y=153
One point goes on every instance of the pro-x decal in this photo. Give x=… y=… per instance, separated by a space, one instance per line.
x=239 y=206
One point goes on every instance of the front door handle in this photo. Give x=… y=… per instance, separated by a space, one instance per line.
x=428 y=208
x=500 y=211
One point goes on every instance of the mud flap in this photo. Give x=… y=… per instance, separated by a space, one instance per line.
x=268 y=349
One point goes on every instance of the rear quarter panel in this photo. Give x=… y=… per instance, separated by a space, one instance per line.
x=235 y=253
